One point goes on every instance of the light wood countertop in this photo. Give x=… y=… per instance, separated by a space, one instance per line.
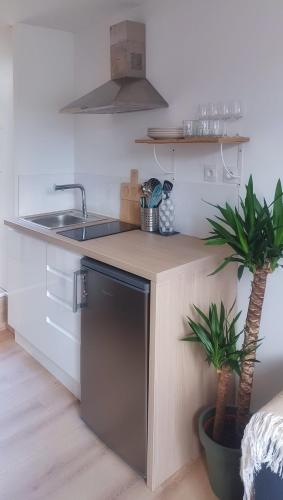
x=151 y=256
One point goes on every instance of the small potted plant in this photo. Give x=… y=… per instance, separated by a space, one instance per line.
x=216 y=332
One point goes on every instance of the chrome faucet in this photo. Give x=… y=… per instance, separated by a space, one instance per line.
x=63 y=187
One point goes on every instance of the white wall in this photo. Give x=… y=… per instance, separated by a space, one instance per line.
x=43 y=138
x=6 y=139
x=104 y=145
x=196 y=52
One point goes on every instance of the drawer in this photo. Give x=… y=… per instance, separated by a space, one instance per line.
x=62 y=349
x=62 y=260
x=64 y=317
x=60 y=286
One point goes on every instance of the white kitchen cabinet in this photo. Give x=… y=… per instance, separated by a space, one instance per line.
x=40 y=307
x=27 y=286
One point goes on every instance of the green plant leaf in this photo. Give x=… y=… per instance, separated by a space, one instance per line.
x=215 y=332
x=219 y=268
x=241 y=269
x=255 y=232
x=191 y=338
x=215 y=241
x=202 y=315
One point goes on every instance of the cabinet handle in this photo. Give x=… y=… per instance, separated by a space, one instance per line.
x=75 y=291
x=77 y=306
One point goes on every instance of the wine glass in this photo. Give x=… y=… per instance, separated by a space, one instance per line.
x=236 y=110
x=212 y=111
x=224 y=113
x=202 y=111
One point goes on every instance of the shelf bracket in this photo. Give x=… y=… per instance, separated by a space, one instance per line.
x=166 y=172
x=231 y=175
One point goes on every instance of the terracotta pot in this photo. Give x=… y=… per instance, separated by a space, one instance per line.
x=223 y=463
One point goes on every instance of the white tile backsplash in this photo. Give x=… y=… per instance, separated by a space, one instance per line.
x=192 y=203
x=103 y=196
x=36 y=193
x=102 y=193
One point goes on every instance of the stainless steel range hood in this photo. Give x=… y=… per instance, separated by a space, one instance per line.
x=128 y=90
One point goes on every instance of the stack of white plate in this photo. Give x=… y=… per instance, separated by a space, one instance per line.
x=165 y=133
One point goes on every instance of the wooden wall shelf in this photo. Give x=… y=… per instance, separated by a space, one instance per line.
x=196 y=140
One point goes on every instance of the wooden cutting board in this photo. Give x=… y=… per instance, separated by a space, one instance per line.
x=130 y=194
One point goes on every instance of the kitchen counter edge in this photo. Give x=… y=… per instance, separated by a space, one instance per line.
x=134 y=251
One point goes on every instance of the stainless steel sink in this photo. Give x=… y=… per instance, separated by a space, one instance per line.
x=57 y=220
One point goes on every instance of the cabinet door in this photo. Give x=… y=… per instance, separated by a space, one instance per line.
x=27 y=286
x=64 y=325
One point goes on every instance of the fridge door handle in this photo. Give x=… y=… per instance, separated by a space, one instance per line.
x=81 y=304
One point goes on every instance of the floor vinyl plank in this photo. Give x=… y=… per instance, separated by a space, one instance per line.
x=48 y=453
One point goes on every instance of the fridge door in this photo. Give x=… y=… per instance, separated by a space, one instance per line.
x=114 y=364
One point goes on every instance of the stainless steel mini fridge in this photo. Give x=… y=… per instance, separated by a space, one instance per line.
x=114 y=359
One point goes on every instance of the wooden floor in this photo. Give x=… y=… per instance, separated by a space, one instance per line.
x=47 y=452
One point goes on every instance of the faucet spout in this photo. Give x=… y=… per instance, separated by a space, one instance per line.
x=63 y=187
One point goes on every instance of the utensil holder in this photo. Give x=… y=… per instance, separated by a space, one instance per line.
x=166 y=215
x=150 y=219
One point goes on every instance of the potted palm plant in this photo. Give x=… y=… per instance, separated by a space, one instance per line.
x=256 y=238
x=216 y=332
x=254 y=232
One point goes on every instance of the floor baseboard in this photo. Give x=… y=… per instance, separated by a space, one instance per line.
x=3 y=312
x=65 y=379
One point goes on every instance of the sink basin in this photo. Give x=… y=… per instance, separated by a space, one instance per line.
x=53 y=221
x=56 y=220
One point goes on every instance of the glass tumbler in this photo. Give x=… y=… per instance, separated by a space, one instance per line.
x=216 y=127
x=204 y=127
x=190 y=127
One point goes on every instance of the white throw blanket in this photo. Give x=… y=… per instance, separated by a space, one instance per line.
x=262 y=443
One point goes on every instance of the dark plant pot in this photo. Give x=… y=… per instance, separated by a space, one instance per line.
x=223 y=463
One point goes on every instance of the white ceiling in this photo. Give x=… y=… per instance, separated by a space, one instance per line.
x=68 y=15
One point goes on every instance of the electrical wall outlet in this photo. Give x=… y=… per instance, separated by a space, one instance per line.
x=235 y=178
x=210 y=173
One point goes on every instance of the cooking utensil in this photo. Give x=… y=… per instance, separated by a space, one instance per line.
x=143 y=201
x=167 y=188
x=148 y=186
x=155 y=197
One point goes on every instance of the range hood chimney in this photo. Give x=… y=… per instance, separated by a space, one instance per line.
x=128 y=89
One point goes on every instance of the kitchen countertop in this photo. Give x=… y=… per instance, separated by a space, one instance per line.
x=148 y=255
